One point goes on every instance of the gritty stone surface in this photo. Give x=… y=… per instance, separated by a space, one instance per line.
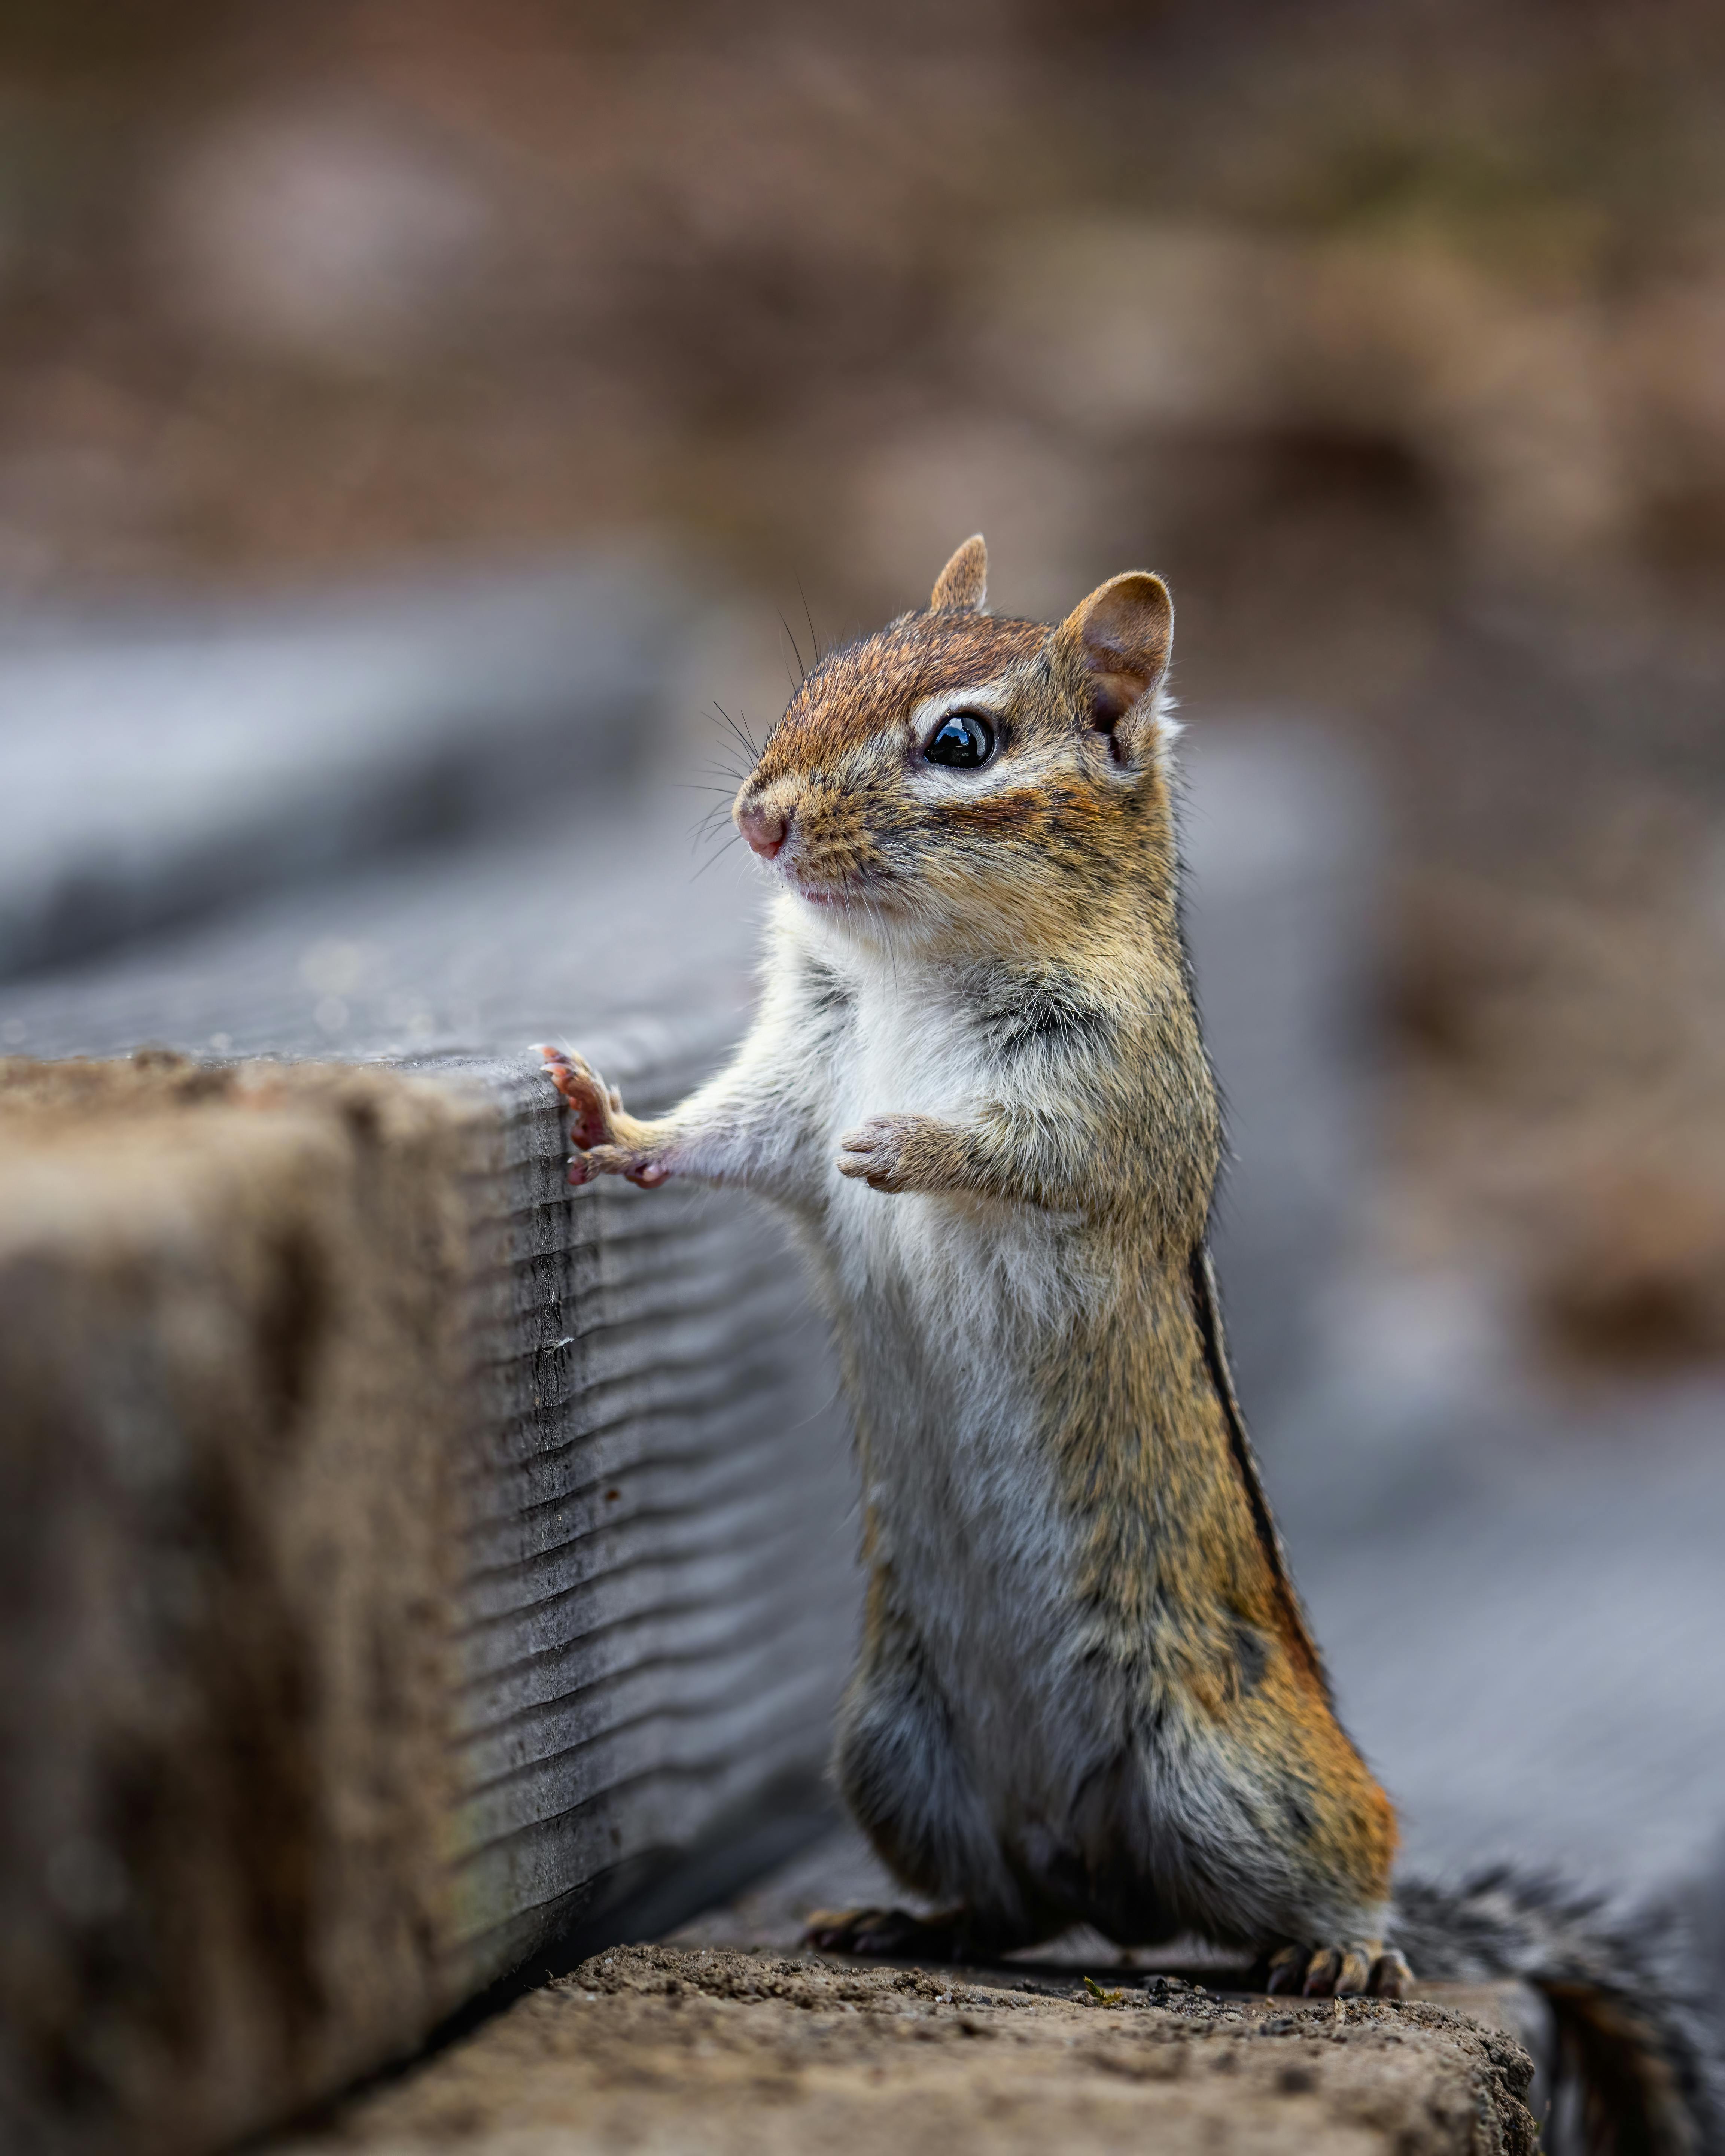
x=715 y=2051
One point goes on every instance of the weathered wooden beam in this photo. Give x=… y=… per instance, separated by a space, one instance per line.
x=399 y=1558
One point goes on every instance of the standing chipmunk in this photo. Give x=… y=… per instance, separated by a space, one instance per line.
x=1086 y=1691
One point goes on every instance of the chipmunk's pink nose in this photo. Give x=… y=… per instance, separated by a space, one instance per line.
x=765 y=828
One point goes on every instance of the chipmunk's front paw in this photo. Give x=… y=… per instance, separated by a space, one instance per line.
x=1338 y=1972
x=599 y=1132
x=896 y=1153
x=591 y=1102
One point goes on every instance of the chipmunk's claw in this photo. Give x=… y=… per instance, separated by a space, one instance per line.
x=591 y=1102
x=1346 y=1971
x=599 y=1132
x=882 y=1152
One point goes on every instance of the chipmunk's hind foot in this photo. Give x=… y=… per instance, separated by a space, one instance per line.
x=1358 y=1967
x=892 y=1933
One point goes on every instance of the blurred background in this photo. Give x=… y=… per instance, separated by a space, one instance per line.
x=421 y=360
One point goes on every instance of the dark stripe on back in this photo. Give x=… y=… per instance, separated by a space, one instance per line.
x=1208 y=1309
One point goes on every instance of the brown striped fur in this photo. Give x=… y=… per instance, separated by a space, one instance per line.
x=1003 y=948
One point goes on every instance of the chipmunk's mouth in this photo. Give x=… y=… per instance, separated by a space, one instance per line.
x=851 y=894
x=837 y=886
x=817 y=890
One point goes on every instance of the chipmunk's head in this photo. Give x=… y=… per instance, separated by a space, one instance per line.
x=956 y=772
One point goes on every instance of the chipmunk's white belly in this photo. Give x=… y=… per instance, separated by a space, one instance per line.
x=947 y=1303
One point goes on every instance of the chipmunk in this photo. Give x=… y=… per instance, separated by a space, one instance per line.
x=1087 y=1689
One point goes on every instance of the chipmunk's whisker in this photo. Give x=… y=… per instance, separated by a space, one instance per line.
x=735 y=839
x=745 y=739
x=802 y=670
x=808 y=615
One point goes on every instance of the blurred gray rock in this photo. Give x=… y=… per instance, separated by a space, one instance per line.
x=156 y=766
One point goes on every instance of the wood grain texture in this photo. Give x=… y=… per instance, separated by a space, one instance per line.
x=406 y=1557
x=658 y=1604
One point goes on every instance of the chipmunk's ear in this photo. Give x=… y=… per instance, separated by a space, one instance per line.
x=963 y=585
x=1121 y=638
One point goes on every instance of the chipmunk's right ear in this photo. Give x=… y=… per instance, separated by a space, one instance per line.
x=1121 y=638
x=963 y=585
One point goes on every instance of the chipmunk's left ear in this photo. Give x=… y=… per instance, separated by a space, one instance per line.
x=1121 y=638
x=963 y=586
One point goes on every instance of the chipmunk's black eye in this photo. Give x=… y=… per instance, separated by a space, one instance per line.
x=964 y=738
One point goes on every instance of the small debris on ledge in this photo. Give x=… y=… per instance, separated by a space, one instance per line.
x=720 y=2049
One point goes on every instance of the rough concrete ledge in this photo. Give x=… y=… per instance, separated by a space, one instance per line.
x=701 y=2051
